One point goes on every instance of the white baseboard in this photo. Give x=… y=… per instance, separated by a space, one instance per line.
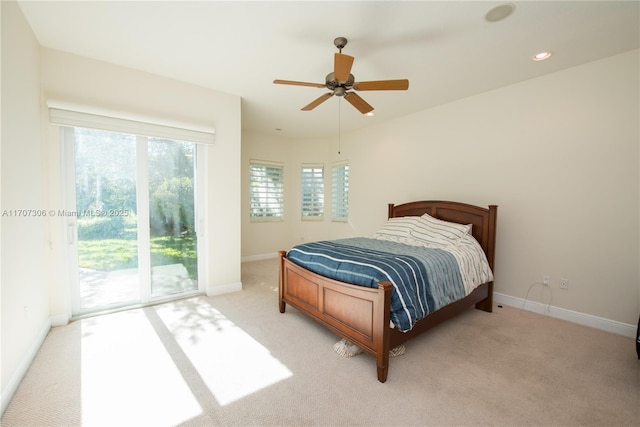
x=568 y=315
x=23 y=367
x=259 y=257
x=224 y=289
x=60 y=320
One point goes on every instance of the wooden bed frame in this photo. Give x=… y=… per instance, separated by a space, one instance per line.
x=360 y=314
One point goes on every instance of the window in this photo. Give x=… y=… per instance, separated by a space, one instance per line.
x=266 y=190
x=312 y=192
x=340 y=192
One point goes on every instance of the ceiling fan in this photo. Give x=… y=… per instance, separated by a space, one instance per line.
x=341 y=82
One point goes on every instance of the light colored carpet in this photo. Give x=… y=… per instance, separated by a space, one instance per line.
x=235 y=360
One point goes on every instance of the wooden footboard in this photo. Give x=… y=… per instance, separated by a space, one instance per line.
x=356 y=313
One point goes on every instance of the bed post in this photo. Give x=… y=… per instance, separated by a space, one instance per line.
x=491 y=244
x=384 y=330
x=281 y=303
x=487 y=303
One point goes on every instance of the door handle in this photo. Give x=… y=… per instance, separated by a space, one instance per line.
x=71 y=235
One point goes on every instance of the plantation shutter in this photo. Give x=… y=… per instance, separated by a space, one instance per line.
x=266 y=190
x=340 y=191
x=312 y=192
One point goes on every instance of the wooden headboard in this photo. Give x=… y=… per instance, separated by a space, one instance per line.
x=482 y=219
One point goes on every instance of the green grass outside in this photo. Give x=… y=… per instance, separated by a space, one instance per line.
x=121 y=254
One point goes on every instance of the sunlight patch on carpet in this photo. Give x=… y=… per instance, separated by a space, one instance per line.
x=230 y=362
x=127 y=376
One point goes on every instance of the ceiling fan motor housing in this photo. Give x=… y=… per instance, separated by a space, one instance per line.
x=333 y=84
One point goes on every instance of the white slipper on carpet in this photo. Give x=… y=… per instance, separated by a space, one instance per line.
x=397 y=351
x=345 y=349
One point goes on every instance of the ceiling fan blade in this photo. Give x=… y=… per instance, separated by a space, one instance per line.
x=382 y=85
x=342 y=66
x=355 y=100
x=317 y=101
x=291 y=82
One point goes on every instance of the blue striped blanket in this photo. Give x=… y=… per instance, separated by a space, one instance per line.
x=424 y=279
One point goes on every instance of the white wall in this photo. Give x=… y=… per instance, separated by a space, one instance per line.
x=558 y=154
x=23 y=286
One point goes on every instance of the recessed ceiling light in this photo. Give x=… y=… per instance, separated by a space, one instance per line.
x=542 y=56
x=370 y=113
x=500 y=12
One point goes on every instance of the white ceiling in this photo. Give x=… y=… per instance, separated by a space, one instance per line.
x=445 y=48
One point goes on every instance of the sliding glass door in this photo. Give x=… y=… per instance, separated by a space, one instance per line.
x=132 y=221
x=172 y=203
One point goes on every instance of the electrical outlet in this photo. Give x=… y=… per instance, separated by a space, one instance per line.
x=546 y=280
x=564 y=283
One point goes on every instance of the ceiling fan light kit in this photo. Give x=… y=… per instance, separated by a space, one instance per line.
x=341 y=82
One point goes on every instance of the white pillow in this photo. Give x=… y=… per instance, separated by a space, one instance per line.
x=397 y=229
x=438 y=232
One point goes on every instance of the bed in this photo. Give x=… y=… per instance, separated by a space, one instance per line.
x=362 y=315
